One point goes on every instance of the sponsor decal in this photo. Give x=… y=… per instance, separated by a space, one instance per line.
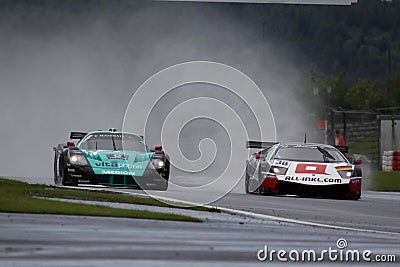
x=117 y=156
x=344 y=168
x=107 y=135
x=311 y=168
x=114 y=164
x=313 y=179
x=118 y=172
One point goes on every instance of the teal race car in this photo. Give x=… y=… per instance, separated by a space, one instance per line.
x=111 y=158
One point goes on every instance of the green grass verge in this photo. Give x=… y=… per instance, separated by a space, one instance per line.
x=386 y=181
x=57 y=192
x=20 y=197
x=51 y=191
x=367 y=146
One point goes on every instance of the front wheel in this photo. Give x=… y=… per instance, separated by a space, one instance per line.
x=58 y=164
x=159 y=185
x=246 y=183
x=66 y=180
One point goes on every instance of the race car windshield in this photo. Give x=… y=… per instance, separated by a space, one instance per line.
x=312 y=154
x=113 y=142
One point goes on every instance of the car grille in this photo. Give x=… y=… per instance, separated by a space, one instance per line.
x=116 y=180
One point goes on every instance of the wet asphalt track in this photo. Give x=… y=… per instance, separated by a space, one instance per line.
x=49 y=240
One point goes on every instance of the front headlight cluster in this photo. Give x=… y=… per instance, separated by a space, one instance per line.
x=278 y=170
x=346 y=174
x=78 y=159
x=158 y=163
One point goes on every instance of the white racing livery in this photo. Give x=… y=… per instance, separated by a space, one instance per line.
x=303 y=169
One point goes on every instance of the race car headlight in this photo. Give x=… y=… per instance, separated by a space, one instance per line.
x=158 y=163
x=346 y=174
x=78 y=159
x=278 y=170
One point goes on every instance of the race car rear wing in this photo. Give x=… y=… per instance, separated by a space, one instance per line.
x=343 y=149
x=259 y=144
x=77 y=135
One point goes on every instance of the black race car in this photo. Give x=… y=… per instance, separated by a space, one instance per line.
x=111 y=158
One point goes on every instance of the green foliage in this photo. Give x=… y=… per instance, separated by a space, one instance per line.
x=333 y=91
x=353 y=51
x=353 y=40
x=364 y=95
x=393 y=89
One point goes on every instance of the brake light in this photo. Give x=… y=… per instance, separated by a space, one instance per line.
x=70 y=143
x=158 y=148
x=358 y=162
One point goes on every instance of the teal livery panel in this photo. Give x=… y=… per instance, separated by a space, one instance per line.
x=129 y=163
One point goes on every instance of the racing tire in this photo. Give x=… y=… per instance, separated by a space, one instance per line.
x=264 y=191
x=56 y=170
x=246 y=183
x=58 y=164
x=164 y=185
x=66 y=181
x=161 y=186
x=60 y=173
x=260 y=190
x=357 y=171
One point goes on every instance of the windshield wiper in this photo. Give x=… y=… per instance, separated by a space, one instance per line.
x=325 y=153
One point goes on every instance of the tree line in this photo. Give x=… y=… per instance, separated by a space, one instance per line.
x=354 y=51
x=323 y=91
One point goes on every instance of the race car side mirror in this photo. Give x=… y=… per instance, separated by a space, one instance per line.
x=70 y=143
x=259 y=156
x=158 y=148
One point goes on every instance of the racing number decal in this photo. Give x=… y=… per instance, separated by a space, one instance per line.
x=311 y=168
x=281 y=163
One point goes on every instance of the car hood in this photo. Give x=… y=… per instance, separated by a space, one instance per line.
x=111 y=162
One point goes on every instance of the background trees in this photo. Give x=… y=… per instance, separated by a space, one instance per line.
x=358 y=41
